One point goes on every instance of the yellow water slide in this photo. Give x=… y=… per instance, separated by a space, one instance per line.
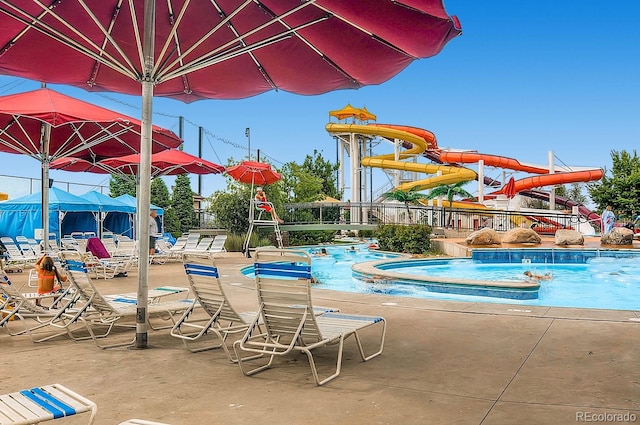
x=420 y=139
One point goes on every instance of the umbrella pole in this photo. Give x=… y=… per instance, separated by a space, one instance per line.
x=45 y=140
x=245 y=247
x=144 y=170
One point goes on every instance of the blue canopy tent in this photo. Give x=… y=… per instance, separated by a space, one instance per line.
x=133 y=202
x=115 y=215
x=67 y=213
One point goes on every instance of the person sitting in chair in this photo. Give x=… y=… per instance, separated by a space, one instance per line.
x=264 y=205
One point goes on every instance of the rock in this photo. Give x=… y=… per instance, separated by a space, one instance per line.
x=485 y=236
x=521 y=235
x=568 y=237
x=618 y=236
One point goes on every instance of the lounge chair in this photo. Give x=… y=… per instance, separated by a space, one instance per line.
x=126 y=247
x=13 y=255
x=109 y=241
x=217 y=245
x=192 y=242
x=222 y=319
x=20 y=307
x=107 y=313
x=35 y=247
x=286 y=314
x=201 y=247
x=175 y=251
x=39 y=404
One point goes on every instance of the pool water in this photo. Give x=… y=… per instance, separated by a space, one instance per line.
x=607 y=283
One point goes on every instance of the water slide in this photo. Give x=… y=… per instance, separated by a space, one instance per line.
x=421 y=141
x=562 y=176
x=527 y=186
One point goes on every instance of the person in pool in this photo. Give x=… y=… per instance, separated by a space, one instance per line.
x=536 y=277
x=322 y=253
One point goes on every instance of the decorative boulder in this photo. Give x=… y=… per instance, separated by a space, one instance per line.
x=618 y=236
x=485 y=236
x=569 y=237
x=521 y=235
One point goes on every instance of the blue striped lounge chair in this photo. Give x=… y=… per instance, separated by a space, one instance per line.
x=39 y=404
x=286 y=322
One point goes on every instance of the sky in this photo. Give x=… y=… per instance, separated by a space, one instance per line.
x=524 y=78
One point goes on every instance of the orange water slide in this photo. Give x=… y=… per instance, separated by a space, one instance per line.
x=544 y=179
x=490 y=160
x=420 y=140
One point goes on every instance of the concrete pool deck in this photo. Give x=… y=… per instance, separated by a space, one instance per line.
x=444 y=362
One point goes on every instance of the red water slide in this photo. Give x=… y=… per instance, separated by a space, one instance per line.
x=544 y=179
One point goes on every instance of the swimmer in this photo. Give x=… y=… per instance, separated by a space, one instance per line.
x=533 y=276
x=352 y=249
x=322 y=253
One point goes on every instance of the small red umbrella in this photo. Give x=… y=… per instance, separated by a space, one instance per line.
x=169 y=162
x=509 y=189
x=253 y=172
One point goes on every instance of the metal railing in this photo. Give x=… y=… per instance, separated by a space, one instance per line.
x=350 y=213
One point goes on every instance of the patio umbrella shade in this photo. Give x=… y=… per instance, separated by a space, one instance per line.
x=227 y=49
x=509 y=189
x=48 y=125
x=254 y=173
x=169 y=162
x=79 y=165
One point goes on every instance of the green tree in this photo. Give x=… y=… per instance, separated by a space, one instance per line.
x=121 y=185
x=230 y=208
x=621 y=187
x=576 y=193
x=449 y=191
x=161 y=197
x=310 y=181
x=182 y=203
x=410 y=197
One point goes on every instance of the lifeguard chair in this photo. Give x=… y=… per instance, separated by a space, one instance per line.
x=257 y=221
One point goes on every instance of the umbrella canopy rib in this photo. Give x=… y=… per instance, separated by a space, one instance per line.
x=334 y=43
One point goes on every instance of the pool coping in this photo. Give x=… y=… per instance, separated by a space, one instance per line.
x=516 y=290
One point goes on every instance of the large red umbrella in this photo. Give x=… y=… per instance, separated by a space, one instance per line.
x=252 y=172
x=215 y=49
x=169 y=162
x=79 y=165
x=48 y=125
x=224 y=49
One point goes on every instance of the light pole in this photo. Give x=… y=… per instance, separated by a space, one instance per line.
x=247 y=132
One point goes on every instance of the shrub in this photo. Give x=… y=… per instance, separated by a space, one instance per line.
x=311 y=237
x=414 y=239
x=234 y=242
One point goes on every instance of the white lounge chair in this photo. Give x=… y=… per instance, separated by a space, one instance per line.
x=35 y=247
x=192 y=242
x=20 y=307
x=175 y=251
x=201 y=247
x=222 y=319
x=105 y=313
x=286 y=314
x=39 y=404
x=217 y=245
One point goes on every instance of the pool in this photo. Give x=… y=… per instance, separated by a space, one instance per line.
x=605 y=279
